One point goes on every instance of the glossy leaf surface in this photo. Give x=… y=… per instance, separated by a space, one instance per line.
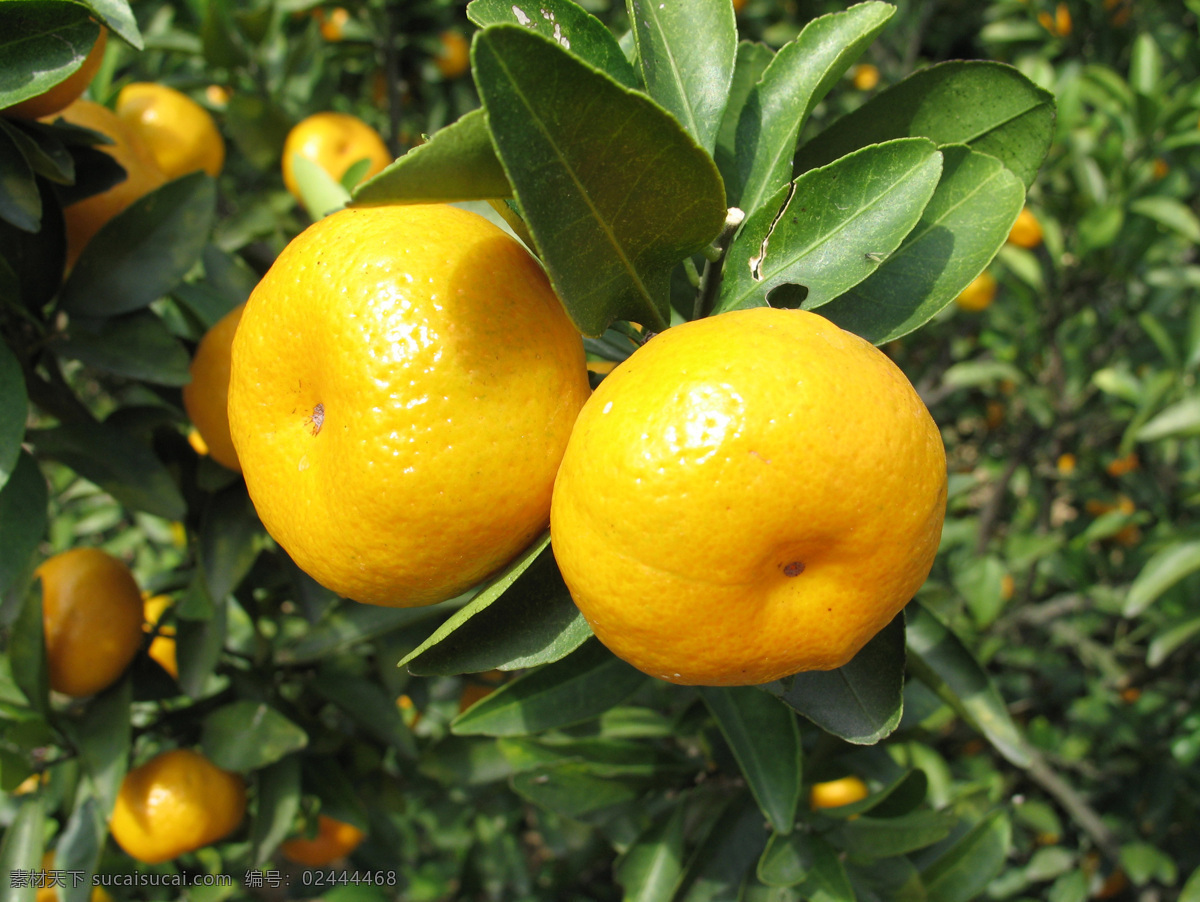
x=613 y=190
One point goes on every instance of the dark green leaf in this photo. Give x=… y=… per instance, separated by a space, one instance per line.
x=127 y=470
x=457 y=163
x=138 y=345
x=718 y=866
x=897 y=798
x=886 y=837
x=199 y=641
x=686 y=52
x=36 y=260
x=801 y=73
x=229 y=533
x=41 y=44
x=230 y=276
x=649 y=869
x=370 y=707
x=278 y=803
x=20 y=200
x=27 y=652
x=117 y=15
x=964 y=224
x=765 y=739
x=799 y=857
x=571 y=789
x=988 y=106
x=967 y=867
x=21 y=848
x=103 y=735
x=80 y=845
x=46 y=154
x=14 y=407
x=1191 y=889
x=581 y=686
x=863 y=700
x=223 y=47
x=465 y=761
x=565 y=22
x=604 y=757
x=141 y=253
x=350 y=625
x=613 y=190
x=940 y=660
x=23 y=519
x=839 y=224
x=245 y=735
x=752 y=60
x=525 y=617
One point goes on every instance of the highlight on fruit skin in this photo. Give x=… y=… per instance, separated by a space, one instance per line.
x=67 y=91
x=836 y=793
x=979 y=294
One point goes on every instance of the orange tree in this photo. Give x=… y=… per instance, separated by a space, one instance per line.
x=661 y=173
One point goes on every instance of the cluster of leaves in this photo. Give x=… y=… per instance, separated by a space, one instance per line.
x=616 y=159
x=1069 y=560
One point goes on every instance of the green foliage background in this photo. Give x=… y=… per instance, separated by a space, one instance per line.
x=1045 y=742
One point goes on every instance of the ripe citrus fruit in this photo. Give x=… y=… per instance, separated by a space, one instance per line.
x=333 y=24
x=1026 y=232
x=404 y=382
x=176 y=802
x=866 y=77
x=335 y=839
x=92 y=616
x=206 y=397
x=66 y=91
x=978 y=295
x=180 y=133
x=142 y=175
x=335 y=142
x=454 y=57
x=835 y=793
x=748 y=496
x=162 y=646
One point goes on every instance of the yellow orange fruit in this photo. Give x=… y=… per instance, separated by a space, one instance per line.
x=335 y=839
x=1121 y=465
x=979 y=294
x=748 y=496
x=1066 y=464
x=217 y=95
x=332 y=24
x=403 y=385
x=66 y=91
x=866 y=77
x=454 y=56
x=835 y=793
x=206 y=397
x=142 y=175
x=335 y=142
x=162 y=646
x=92 y=616
x=176 y=802
x=1026 y=231
x=180 y=133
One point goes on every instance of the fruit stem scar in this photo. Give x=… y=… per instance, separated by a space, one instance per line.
x=795 y=568
x=317 y=419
